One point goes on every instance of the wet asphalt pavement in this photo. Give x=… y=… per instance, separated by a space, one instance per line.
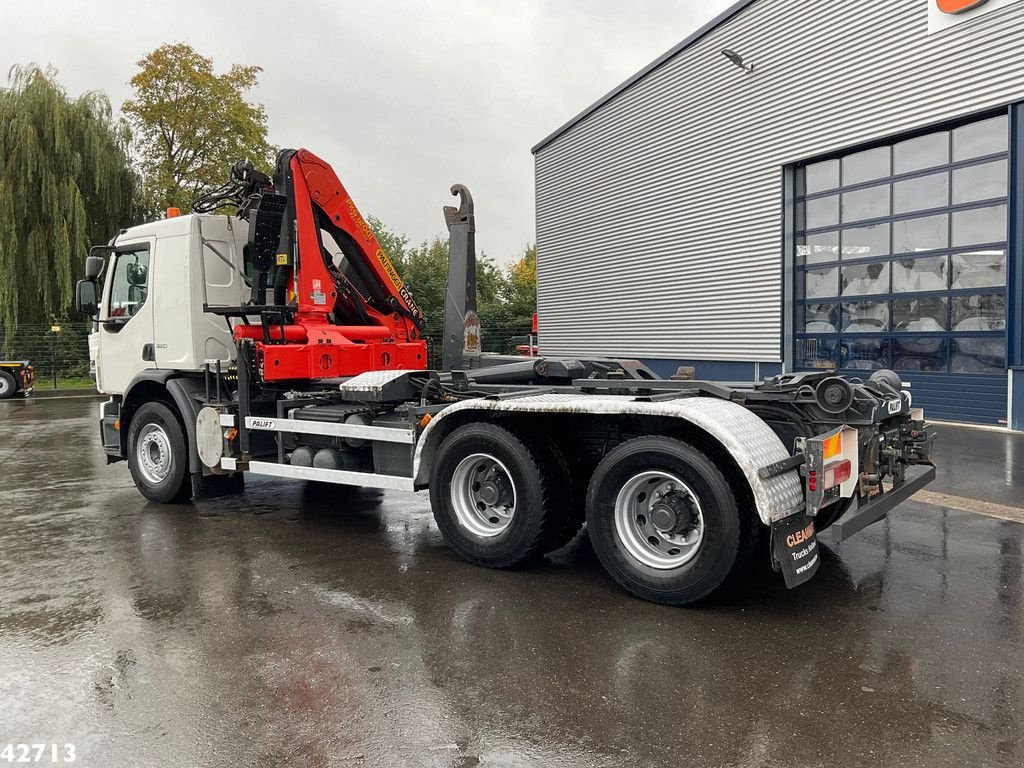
x=309 y=626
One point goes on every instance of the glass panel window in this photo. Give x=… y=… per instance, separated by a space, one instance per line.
x=817 y=248
x=870 y=203
x=979 y=139
x=822 y=212
x=129 y=286
x=865 y=354
x=921 y=193
x=919 y=274
x=817 y=353
x=925 y=353
x=866 y=166
x=925 y=233
x=919 y=315
x=978 y=356
x=818 y=177
x=860 y=242
x=920 y=153
x=979 y=225
x=821 y=283
x=979 y=182
x=979 y=269
x=980 y=312
x=820 y=318
x=860 y=279
x=901 y=254
x=865 y=316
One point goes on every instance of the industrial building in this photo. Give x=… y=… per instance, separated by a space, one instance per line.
x=802 y=185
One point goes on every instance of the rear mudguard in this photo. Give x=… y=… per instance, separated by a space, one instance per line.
x=750 y=441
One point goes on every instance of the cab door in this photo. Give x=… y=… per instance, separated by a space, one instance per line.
x=126 y=317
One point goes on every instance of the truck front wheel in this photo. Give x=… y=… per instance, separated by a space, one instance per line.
x=158 y=455
x=664 y=521
x=491 y=497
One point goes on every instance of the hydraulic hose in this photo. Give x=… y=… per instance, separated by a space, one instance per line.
x=281 y=276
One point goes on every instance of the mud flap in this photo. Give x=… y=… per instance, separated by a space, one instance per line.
x=795 y=548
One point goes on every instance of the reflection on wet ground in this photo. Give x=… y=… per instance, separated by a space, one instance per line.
x=313 y=626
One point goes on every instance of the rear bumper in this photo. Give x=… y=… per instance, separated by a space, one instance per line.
x=866 y=513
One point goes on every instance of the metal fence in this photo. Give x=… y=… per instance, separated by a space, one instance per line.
x=59 y=353
x=503 y=338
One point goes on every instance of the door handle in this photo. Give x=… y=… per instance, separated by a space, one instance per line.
x=148 y=353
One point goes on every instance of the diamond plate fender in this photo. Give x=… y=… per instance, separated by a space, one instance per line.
x=747 y=438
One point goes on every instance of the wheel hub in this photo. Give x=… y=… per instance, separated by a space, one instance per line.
x=658 y=520
x=672 y=514
x=153 y=451
x=489 y=493
x=483 y=495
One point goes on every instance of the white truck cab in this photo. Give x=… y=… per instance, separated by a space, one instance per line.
x=196 y=260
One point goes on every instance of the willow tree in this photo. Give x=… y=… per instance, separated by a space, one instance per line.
x=65 y=184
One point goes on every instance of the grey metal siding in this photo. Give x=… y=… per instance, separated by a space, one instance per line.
x=659 y=215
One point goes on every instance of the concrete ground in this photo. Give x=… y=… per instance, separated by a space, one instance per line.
x=309 y=626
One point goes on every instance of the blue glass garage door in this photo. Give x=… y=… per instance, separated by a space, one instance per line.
x=901 y=262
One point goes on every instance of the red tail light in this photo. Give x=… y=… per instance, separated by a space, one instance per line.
x=837 y=473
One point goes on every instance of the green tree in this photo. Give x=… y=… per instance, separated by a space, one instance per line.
x=506 y=299
x=65 y=184
x=521 y=292
x=394 y=244
x=425 y=272
x=190 y=124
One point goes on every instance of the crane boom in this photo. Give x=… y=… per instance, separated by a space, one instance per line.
x=337 y=311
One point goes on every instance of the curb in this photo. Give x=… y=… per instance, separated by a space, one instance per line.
x=55 y=394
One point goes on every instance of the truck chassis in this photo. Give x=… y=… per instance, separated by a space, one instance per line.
x=682 y=483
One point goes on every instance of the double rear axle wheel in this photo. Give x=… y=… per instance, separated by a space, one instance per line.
x=662 y=518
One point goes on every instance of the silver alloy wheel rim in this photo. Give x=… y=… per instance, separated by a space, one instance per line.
x=666 y=547
x=483 y=495
x=5 y=386
x=153 y=451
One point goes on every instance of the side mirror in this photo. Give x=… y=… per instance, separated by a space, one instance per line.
x=86 y=298
x=93 y=267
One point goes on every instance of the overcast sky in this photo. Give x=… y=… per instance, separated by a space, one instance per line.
x=402 y=98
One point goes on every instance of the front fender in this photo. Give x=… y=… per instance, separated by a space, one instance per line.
x=746 y=438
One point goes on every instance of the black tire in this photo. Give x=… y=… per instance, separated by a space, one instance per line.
x=167 y=444
x=719 y=553
x=569 y=486
x=8 y=386
x=531 y=527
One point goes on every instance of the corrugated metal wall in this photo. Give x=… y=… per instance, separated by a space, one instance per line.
x=659 y=215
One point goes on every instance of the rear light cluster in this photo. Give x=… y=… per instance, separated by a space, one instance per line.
x=836 y=473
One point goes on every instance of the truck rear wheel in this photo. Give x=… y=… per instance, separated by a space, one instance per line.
x=158 y=455
x=664 y=521
x=569 y=485
x=491 y=496
x=8 y=386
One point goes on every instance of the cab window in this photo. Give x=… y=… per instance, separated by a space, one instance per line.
x=128 y=289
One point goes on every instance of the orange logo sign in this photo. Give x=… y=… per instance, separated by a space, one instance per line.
x=958 y=6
